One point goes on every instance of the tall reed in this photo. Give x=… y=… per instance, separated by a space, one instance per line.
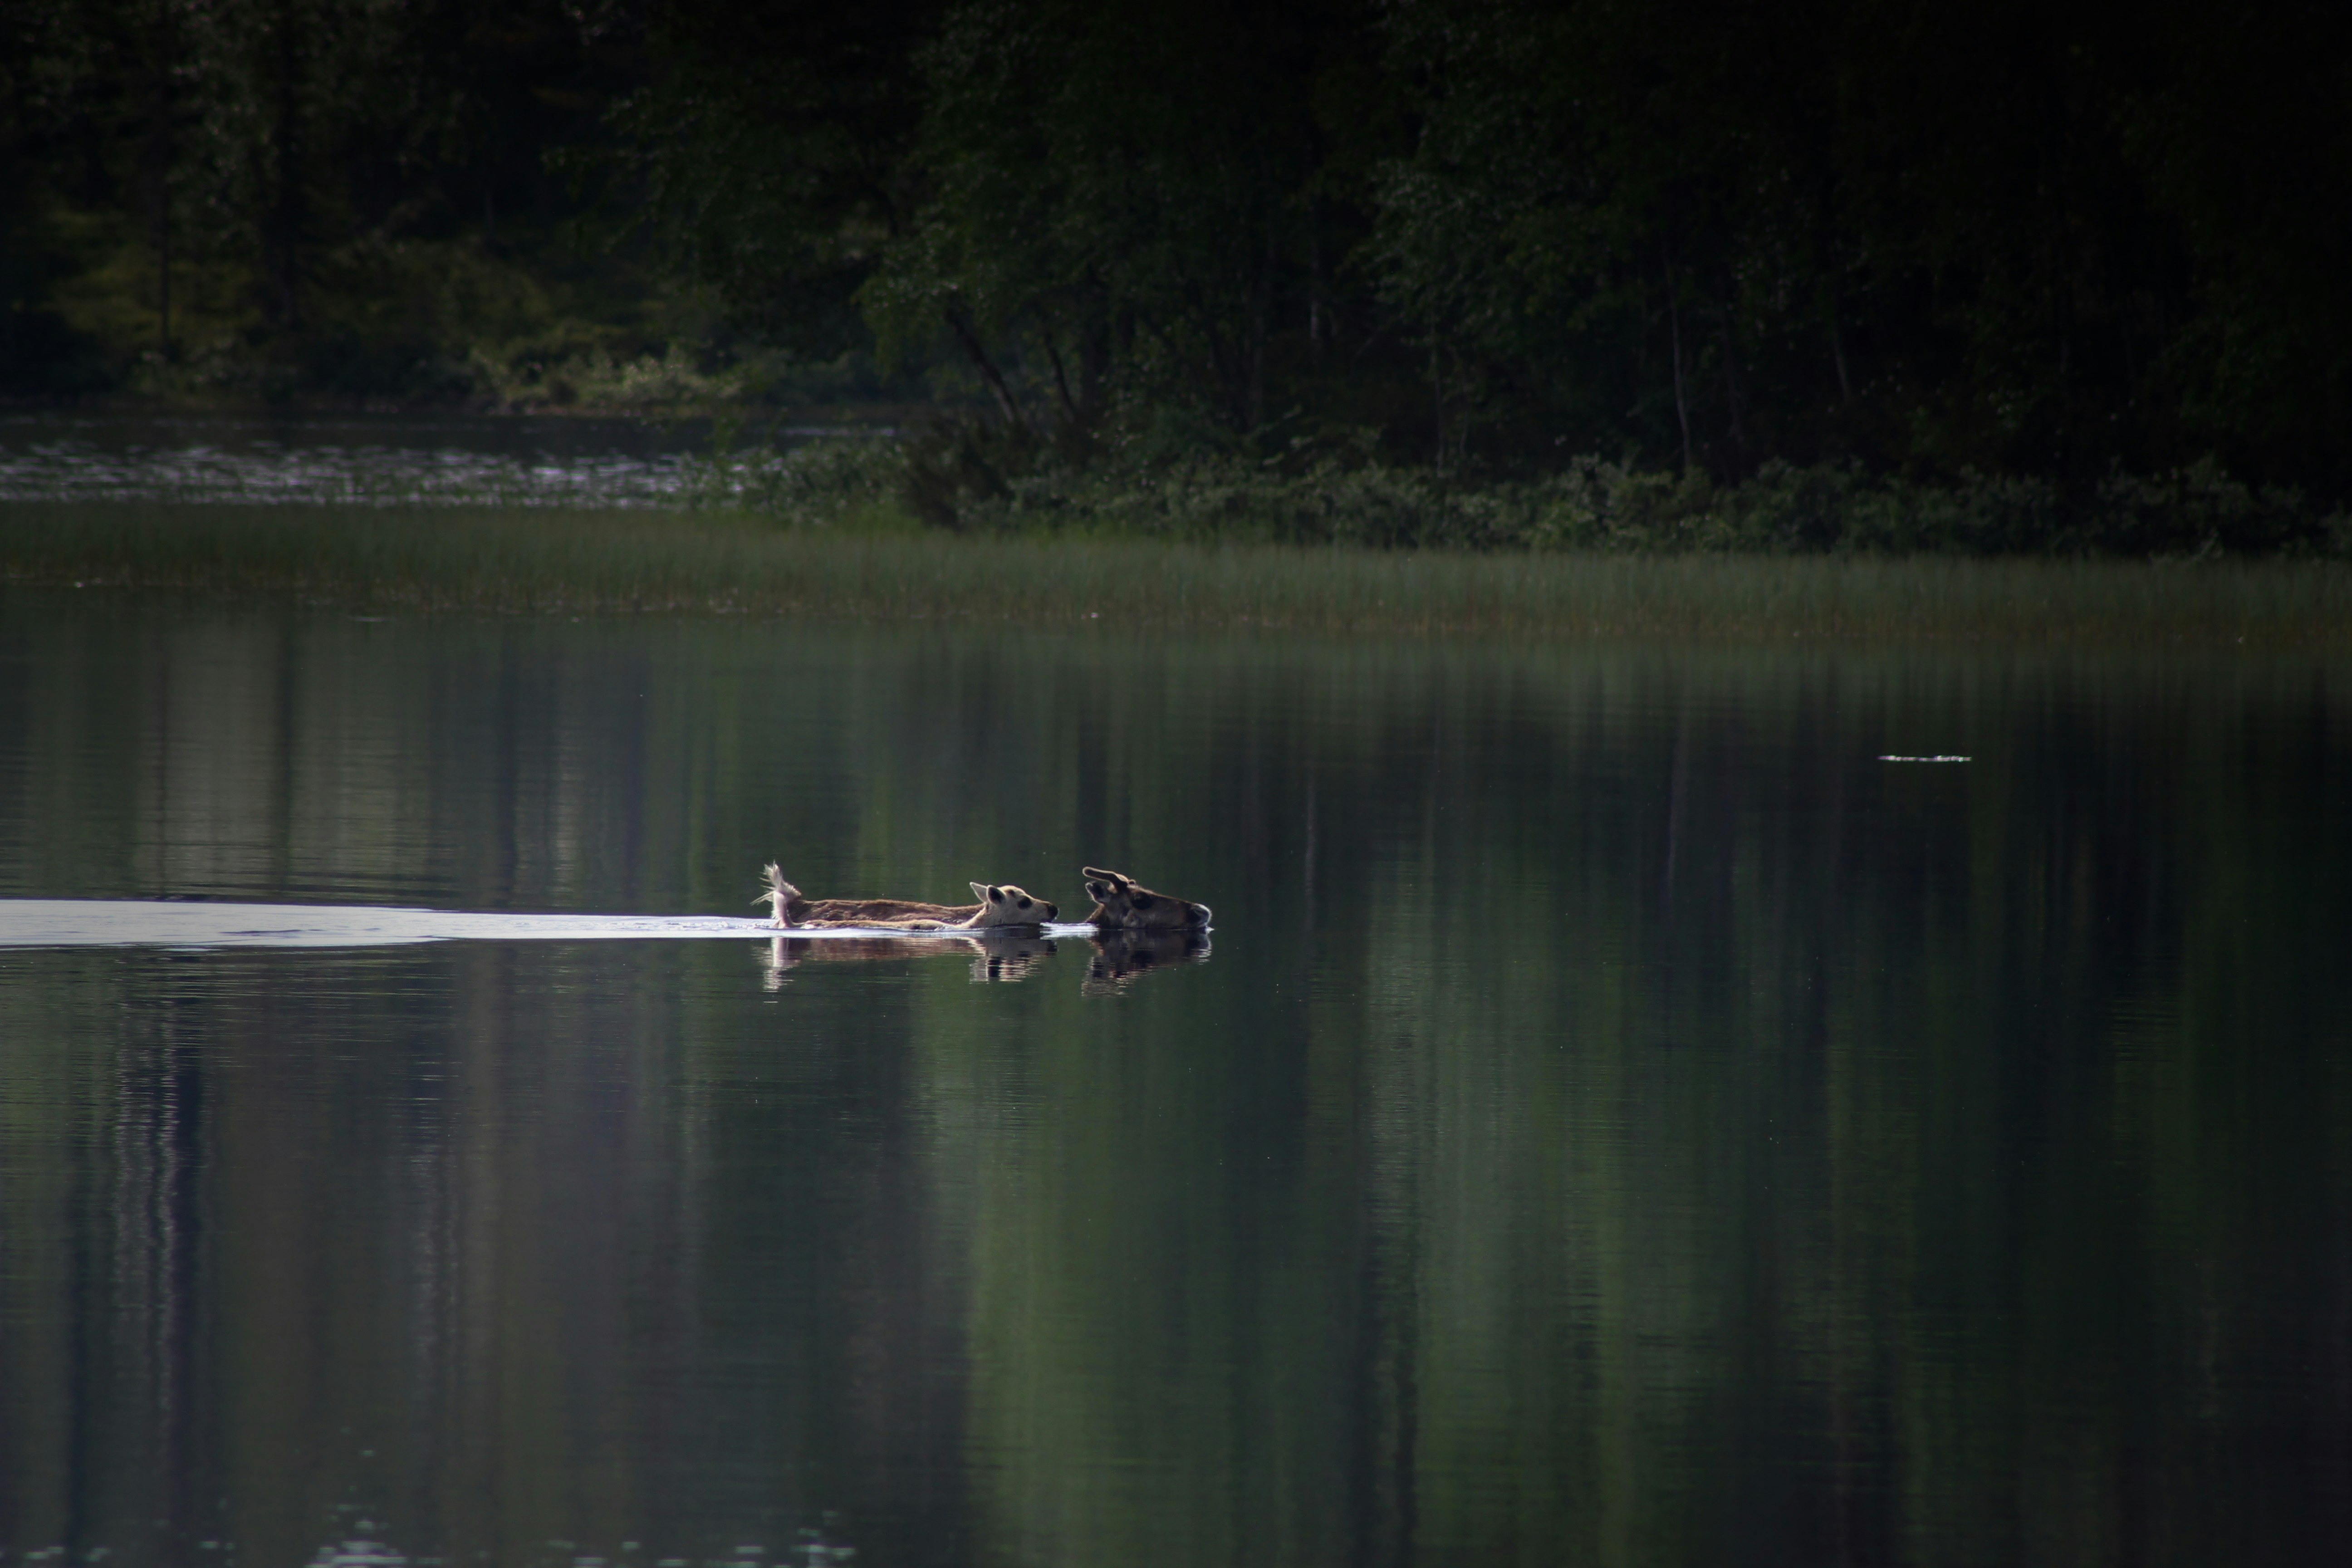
x=544 y=561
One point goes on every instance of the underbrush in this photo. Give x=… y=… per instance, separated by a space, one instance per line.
x=852 y=481
x=545 y=561
x=970 y=478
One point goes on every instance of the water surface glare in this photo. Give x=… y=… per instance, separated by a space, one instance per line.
x=1631 y=1112
x=127 y=922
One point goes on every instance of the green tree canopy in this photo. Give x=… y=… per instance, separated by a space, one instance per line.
x=2052 y=239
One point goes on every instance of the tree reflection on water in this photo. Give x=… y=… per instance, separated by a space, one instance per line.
x=1623 y=1116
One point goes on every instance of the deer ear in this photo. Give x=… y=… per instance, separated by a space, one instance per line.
x=979 y=890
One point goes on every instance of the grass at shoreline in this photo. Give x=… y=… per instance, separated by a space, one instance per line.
x=546 y=562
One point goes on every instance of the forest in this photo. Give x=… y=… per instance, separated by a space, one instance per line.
x=2016 y=276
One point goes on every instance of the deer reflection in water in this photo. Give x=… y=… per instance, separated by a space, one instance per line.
x=1122 y=957
x=994 y=957
x=1117 y=960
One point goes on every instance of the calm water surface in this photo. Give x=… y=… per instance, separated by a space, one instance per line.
x=1618 y=1119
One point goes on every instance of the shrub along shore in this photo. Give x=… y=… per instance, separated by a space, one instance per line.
x=712 y=560
x=975 y=478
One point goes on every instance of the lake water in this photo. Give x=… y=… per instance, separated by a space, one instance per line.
x=1616 y=1117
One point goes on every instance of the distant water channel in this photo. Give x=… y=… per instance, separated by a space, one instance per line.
x=1617 y=1117
x=362 y=458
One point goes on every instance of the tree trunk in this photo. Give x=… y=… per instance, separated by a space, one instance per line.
x=165 y=62
x=159 y=161
x=1262 y=319
x=960 y=324
x=164 y=265
x=1732 y=381
x=1837 y=353
x=1674 y=330
x=1437 y=392
x=288 y=213
x=1061 y=380
x=1315 y=323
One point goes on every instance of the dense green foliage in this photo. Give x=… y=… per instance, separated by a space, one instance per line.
x=2056 y=243
x=258 y=200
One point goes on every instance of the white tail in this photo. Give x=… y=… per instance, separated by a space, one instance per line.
x=779 y=897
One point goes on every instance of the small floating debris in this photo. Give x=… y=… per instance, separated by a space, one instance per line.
x=1923 y=759
x=358 y=1554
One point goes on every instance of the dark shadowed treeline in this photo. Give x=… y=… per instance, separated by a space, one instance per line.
x=2063 y=242
x=2055 y=240
x=259 y=200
